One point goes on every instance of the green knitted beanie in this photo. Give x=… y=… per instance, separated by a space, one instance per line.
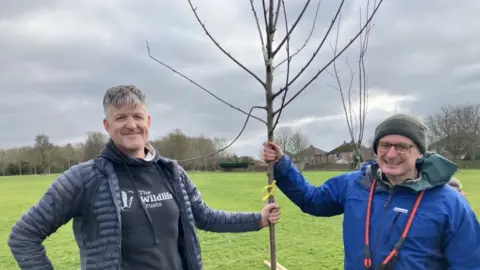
x=405 y=125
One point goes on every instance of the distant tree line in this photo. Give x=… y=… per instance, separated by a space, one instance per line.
x=45 y=157
x=454 y=131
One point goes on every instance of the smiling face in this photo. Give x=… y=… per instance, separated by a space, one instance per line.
x=397 y=155
x=129 y=127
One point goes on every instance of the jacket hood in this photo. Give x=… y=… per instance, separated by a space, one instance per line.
x=114 y=155
x=434 y=170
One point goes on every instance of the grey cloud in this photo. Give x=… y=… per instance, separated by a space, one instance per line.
x=425 y=49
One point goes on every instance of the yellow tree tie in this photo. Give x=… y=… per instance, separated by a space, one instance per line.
x=271 y=192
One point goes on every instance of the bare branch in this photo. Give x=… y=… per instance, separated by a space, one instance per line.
x=287 y=36
x=339 y=87
x=231 y=143
x=351 y=112
x=287 y=47
x=306 y=41
x=336 y=56
x=339 y=9
x=194 y=9
x=199 y=86
x=363 y=84
x=265 y=20
x=355 y=122
x=257 y=22
x=277 y=12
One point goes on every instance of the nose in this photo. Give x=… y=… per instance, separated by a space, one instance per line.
x=131 y=123
x=392 y=152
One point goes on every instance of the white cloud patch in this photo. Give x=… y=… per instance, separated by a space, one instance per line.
x=58 y=58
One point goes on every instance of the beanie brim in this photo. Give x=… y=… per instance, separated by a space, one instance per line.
x=402 y=127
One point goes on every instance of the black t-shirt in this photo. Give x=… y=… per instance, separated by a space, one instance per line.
x=148 y=242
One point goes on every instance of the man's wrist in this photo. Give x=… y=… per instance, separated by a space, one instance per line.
x=263 y=224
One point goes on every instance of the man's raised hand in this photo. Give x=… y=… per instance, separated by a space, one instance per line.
x=272 y=151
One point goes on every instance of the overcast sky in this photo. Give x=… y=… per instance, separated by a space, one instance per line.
x=58 y=58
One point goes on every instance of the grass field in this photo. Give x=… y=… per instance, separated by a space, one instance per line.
x=303 y=242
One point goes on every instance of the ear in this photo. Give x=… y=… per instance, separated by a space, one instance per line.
x=149 y=121
x=106 y=125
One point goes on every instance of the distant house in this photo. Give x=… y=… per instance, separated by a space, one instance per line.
x=310 y=155
x=313 y=155
x=462 y=150
x=343 y=153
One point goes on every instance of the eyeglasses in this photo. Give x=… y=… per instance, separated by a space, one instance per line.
x=401 y=148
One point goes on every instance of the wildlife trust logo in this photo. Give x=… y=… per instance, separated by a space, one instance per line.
x=150 y=199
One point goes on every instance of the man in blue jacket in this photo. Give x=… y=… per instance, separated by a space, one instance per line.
x=131 y=208
x=399 y=211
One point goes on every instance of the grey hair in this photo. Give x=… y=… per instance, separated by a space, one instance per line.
x=122 y=95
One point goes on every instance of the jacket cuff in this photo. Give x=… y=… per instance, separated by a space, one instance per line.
x=258 y=221
x=282 y=166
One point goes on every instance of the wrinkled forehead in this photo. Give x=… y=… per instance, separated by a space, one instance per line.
x=395 y=139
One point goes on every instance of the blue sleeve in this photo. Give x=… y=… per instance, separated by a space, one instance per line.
x=215 y=220
x=325 y=200
x=462 y=238
x=56 y=207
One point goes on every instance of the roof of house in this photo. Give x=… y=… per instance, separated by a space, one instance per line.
x=309 y=151
x=347 y=148
x=312 y=151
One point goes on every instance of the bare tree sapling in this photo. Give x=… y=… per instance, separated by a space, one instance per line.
x=266 y=21
x=355 y=93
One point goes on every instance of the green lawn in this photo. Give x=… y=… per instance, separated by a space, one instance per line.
x=303 y=242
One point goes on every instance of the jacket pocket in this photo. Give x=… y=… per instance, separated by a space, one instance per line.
x=423 y=237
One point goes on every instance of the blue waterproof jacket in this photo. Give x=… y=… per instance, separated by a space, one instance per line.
x=445 y=233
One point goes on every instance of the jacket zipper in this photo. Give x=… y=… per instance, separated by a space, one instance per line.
x=178 y=190
x=117 y=209
x=384 y=216
x=392 y=227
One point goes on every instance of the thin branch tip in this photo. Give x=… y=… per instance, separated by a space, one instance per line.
x=200 y=86
x=194 y=9
x=231 y=143
x=336 y=56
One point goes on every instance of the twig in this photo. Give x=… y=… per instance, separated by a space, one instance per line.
x=265 y=20
x=339 y=9
x=291 y=29
x=231 y=143
x=339 y=87
x=257 y=22
x=289 y=59
x=306 y=41
x=194 y=9
x=277 y=12
x=199 y=86
x=335 y=57
x=352 y=113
